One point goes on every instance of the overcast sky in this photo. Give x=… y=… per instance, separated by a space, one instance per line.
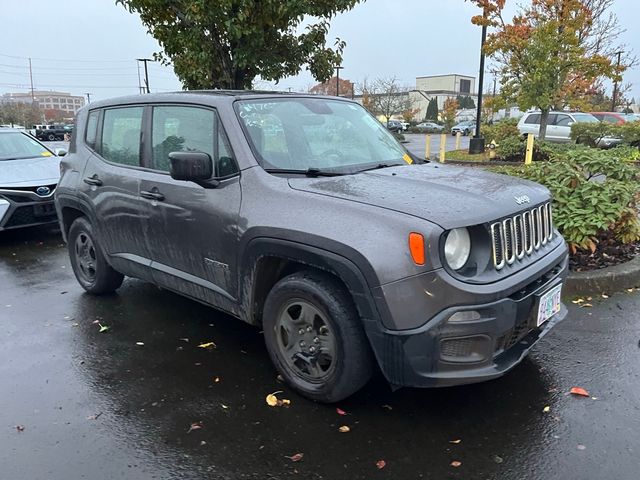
x=84 y=46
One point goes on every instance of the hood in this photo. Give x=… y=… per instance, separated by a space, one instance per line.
x=29 y=172
x=448 y=196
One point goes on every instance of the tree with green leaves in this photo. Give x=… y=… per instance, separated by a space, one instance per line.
x=545 y=55
x=432 y=110
x=228 y=43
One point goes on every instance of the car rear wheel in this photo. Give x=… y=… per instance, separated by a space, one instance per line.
x=90 y=267
x=51 y=137
x=315 y=338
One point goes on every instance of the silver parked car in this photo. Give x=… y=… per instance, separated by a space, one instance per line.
x=29 y=174
x=465 y=128
x=559 y=126
x=429 y=127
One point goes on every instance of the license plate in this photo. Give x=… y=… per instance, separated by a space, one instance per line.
x=44 y=210
x=549 y=305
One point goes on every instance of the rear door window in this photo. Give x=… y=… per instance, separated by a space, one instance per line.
x=562 y=120
x=92 y=128
x=533 y=119
x=121 y=129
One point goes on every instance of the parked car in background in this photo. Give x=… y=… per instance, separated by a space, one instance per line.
x=405 y=126
x=559 y=127
x=394 y=126
x=429 y=127
x=53 y=132
x=465 y=128
x=614 y=117
x=346 y=250
x=29 y=174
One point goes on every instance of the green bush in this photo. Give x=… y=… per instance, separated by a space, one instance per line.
x=514 y=150
x=595 y=192
x=506 y=129
x=591 y=133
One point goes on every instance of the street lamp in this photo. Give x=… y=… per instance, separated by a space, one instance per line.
x=476 y=144
x=615 y=84
x=338 y=68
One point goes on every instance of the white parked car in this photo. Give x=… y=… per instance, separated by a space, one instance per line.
x=559 y=126
x=29 y=174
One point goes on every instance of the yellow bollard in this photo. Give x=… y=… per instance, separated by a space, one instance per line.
x=458 y=138
x=427 y=152
x=443 y=144
x=528 y=158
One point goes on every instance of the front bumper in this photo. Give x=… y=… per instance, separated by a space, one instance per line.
x=24 y=208
x=493 y=340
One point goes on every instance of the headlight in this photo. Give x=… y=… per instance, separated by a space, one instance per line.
x=457 y=248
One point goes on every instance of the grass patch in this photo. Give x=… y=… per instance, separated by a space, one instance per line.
x=465 y=156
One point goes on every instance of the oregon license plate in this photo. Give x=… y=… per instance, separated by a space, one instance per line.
x=549 y=305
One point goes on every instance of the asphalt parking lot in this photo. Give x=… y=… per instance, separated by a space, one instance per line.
x=141 y=400
x=416 y=144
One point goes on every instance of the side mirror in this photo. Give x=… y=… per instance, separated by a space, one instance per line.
x=570 y=123
x=60 y=152
x=191 y=166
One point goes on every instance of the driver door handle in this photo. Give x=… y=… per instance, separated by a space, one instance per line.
x=93 y=180
x=154 y=194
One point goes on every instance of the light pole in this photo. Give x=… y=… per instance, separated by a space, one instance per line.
x=615 y=84
x=146 y=72
x=88 y=97
x=338 y=68
x=476 y=144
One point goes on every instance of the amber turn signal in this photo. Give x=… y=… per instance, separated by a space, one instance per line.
x=416 y=247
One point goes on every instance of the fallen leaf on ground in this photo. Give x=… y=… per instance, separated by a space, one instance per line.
x=579 y=391
x=339 y=411
x=456 y=463
x=103 y=328
x=274 y=401
x=581 y=447
x=207 y=345
x=139 y=344
x=577 y=300
x=224 y=406
x=20 y=428
x=604 y=295
x=586 y=305
x=546 y=409
x=295 y=458
x=184 y=339
x=380 y=464
x=387 y=407
x=497 y=459
x=216 y=379
x=344 y=429
x=194 y=426
x=94 y=417
x=456 y=441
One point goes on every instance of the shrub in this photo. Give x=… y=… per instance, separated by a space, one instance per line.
x=514 y=149
x=595 y=193
x=506 y=129
x=591 y=133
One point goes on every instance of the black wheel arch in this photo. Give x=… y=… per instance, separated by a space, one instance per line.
x=69 y=208
x=267 y=259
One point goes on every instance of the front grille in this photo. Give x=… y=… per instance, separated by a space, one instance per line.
x=30 y=189
x=27 y=215
x=18 y=198
x=521 y=235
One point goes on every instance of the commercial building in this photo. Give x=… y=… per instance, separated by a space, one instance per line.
x=49 y=100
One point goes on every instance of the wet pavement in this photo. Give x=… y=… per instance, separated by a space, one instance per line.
x=416 y=144
x=119 y=404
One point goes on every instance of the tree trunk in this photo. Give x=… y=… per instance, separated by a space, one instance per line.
x=544 y=120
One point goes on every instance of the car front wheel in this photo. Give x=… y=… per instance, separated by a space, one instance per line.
x=89 y=265
x=315 y=337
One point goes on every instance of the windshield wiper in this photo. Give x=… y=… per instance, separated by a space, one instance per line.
x=309 y=172
x=381 y=165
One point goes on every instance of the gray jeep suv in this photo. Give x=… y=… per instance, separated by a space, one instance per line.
x=303 y=215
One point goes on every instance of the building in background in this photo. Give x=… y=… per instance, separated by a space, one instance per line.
x=440 y=88
x=55 y=105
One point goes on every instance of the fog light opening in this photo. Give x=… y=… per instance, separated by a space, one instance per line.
x=465 y=316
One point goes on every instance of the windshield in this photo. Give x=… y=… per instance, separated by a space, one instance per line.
x=316 y=133
x=585 y=117
x=16 y=145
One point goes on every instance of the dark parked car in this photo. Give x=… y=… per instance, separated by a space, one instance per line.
x=395 y=126
x=53 y=132
x=29 y=174
x=303 y=215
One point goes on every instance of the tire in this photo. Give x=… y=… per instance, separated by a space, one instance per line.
x=326 y=320
x=89 y=265
x=51 y=137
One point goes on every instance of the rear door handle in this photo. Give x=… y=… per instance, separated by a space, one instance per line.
x=93 y=180
x=152 y=195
